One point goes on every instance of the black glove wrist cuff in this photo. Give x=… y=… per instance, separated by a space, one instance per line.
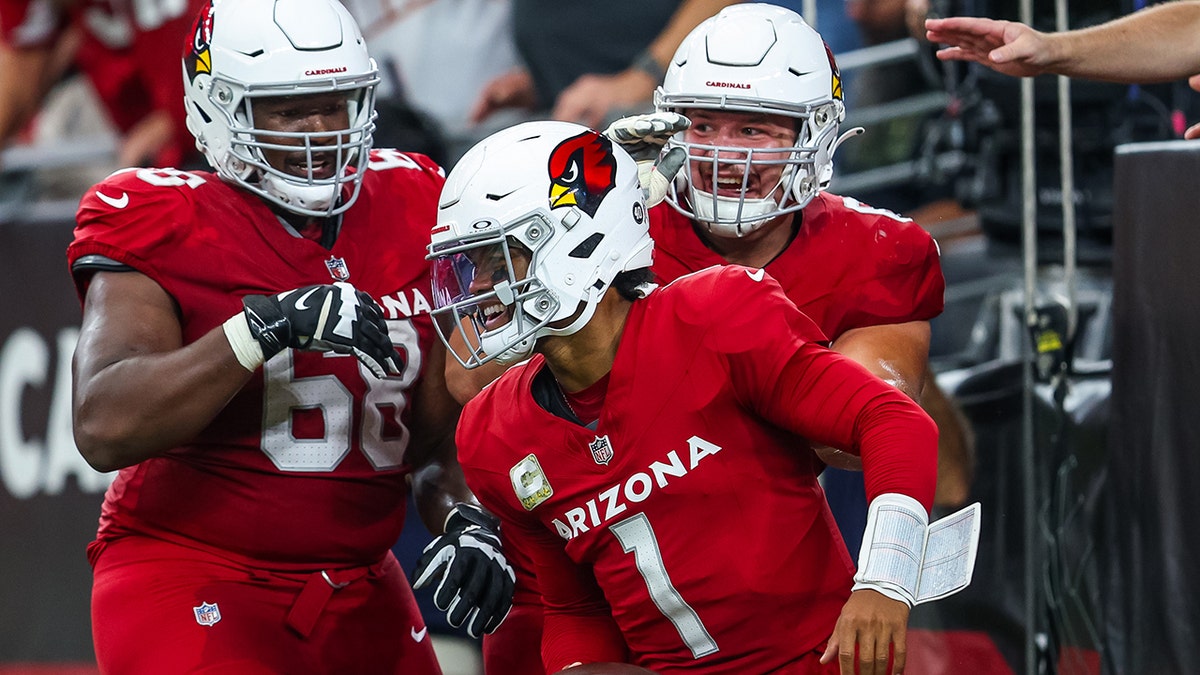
x=464 y=515
x=267 y=323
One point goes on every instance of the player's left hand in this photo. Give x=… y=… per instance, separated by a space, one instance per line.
x=643 y=137
x=476 y=581
x=874 y=626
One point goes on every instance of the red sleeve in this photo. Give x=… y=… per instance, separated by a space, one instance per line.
x=781 y=370
x=830 y=399
x=579 y=626
x=905 y=281
x=30 y=24
x=129 y=220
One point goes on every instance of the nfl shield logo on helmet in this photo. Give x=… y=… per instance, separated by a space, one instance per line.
x=602 y=450
x=337 y=268
x=207 y=613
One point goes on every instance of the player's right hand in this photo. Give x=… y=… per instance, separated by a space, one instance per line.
x=874 y=628
x=643 y=137
x=330 y=317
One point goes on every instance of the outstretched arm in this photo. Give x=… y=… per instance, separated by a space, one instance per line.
x=1152 y=45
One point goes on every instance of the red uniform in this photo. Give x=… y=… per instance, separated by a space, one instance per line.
x=125 y=50
x=849 y=266
x=304 y=470
x=692 y=513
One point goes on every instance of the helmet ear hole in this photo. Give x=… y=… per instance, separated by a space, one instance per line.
x=587 y=246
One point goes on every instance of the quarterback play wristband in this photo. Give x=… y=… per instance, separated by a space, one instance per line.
x=893 y=547
x=248 y=351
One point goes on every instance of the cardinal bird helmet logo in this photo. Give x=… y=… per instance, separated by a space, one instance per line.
x=582 y=171
x=196 y=54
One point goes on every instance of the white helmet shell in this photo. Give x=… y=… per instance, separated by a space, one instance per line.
x=242 y=50
x=756 y=58
x=558 y=192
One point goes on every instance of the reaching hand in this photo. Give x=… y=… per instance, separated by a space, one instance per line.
x=476 y=582
x=874 y=626
x=592 y=98
x=643 y=137
x=329 y=318
x=513 y=89
x=1007 y=47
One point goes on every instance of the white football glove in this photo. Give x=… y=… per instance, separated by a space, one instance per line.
x=644 y=137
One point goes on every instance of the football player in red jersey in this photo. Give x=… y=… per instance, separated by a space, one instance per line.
x=120 y=48
x=258 y=361
x=650 y=457
x=765 y=100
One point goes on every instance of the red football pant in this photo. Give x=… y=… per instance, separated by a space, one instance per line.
x=163 y=608
x=515 y=648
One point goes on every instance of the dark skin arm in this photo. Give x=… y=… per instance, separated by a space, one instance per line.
x=437 y=479
x=137 y=390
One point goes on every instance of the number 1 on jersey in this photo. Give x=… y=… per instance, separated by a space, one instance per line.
x=636 y=536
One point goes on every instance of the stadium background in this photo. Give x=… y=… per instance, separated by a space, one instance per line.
x=1084 y=456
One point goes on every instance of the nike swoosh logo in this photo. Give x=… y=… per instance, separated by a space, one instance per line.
x=418 y=635
x=115 y=202
x=756 y=275
x=300 y=301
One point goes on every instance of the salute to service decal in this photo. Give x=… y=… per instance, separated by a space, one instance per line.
x=530 y=483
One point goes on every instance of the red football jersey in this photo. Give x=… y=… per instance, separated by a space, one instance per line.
x=129 y=51
x=849 y=266
x=694 y=503
x=306 y=464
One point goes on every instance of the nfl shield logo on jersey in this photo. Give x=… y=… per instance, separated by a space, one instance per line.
x=207 y=613
x=602 y=450
x=337 y=268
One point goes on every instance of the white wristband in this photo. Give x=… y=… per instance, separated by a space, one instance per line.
x=247 y=350
x=893 y=547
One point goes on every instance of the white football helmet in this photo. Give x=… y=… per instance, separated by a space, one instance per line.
x=756 y=58
x=546 y=214
x=243 y=50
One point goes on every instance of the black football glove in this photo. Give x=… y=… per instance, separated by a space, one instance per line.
x=643 y=137
x=331 y=317
x=476 y=582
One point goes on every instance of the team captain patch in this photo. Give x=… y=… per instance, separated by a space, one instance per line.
x=530 y=483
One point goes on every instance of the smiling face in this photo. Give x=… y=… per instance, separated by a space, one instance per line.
x=758 y=131
x=321 y=115
x=490 y=269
